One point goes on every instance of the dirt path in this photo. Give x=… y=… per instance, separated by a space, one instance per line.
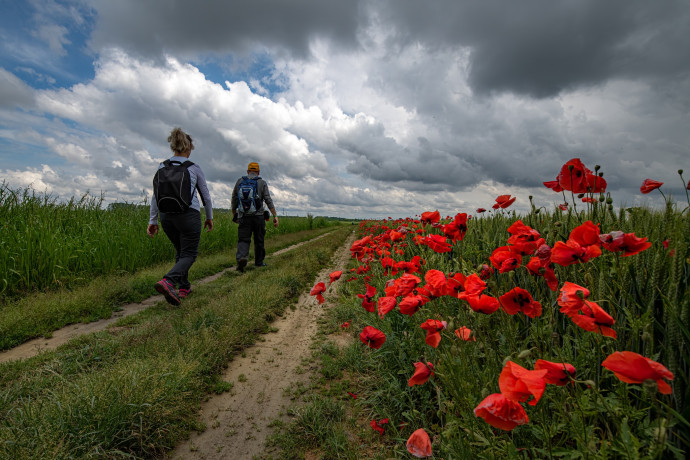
x=61 y=336
x=237 y=422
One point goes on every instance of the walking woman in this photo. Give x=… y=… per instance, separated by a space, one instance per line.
x=175 y=197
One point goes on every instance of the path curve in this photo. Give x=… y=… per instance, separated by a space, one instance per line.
x=61 y=336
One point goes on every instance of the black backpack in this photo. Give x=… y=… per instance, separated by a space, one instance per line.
x=172 y=187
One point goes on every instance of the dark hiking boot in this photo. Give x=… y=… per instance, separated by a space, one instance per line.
x=241 y=263
x=183 y=293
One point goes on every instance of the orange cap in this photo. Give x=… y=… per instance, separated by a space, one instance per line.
x=253 y=167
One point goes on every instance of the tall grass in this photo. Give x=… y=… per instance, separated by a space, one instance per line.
x=47 y=243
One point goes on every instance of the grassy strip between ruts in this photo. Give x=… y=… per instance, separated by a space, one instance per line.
x=40 y=314
x=134 y=391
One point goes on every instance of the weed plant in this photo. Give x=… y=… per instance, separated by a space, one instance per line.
x=134 y=391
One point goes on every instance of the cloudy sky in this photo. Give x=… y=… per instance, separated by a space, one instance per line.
x=357 y=108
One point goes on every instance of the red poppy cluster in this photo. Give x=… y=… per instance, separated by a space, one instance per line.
x=411 y=285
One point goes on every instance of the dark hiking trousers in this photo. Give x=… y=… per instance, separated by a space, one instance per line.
x=184 y=232
x=251 y=225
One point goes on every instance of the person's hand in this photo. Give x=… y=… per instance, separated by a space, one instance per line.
x=152 y=230
x=275 y=221
x=208 y=223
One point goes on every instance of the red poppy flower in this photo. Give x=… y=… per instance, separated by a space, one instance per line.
x=572 y=298
x=422 y=372
x=563 y=207
x=385 y=305
x=627 y=243
x=474 y=285
x=596 y=183
x=553 y=185
x=352 y=278
x=419 y=444
x=433 y=328
x=556 y=373
x=410 y=304
x=436 y=282
x=413 y=266
x=372 y=337
x=586 y=234
x=648 y=185
x=354 y=396
x=480 y=210
x=500 y=412
x=406 y=284
x=630 y=367
x=591 y=317
x=455 y=285
x=317 y=290
x=573 y=176
x=437 y=243
x=504 y=260
x=518 y=299
x=483 y=304
x=366 y=298
x=431 y=217
x=571 y=252
x=345 y=325
x=518 y=384
x=503 y=201
x=588 y=199
x=464 y=333
x=378 y=426
x=335 y=276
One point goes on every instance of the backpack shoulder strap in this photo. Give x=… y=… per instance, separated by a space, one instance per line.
x=187 y=164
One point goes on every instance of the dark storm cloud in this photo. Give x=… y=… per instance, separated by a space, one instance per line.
x=540 y=48
x=217 y=26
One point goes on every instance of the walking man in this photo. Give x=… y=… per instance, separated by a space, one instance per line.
x=248 y=198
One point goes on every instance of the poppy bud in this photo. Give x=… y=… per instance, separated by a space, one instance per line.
x=581 y=195
x=609 y=200
x=680 y=171
x=602 y=198
x=590 y=383
x=524 y=354
x=646 y=336
x=530 y=197
x=536 y=211
x=597 y=167
x=601 y=174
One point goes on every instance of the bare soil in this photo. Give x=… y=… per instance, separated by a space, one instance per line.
x=263 y=378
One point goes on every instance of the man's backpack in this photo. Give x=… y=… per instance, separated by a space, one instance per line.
x=172 y=187
x=248 y=201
